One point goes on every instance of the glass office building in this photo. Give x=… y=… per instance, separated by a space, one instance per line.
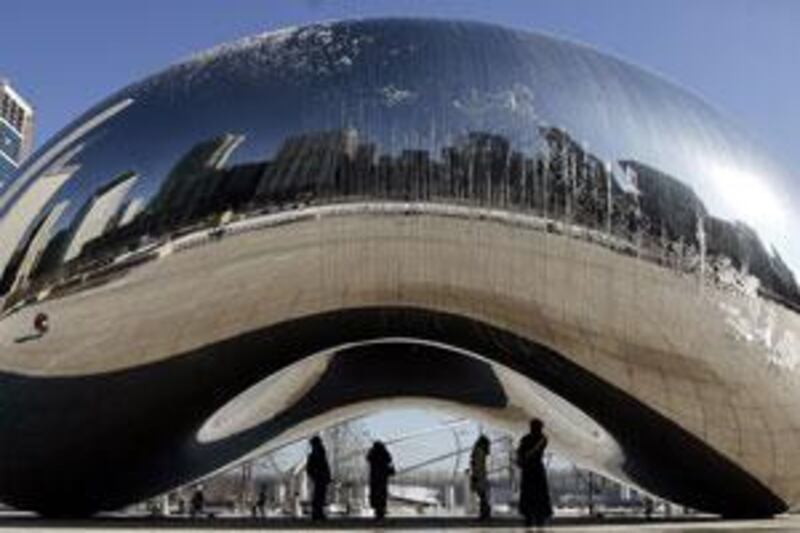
x=307 y=224
x=16 y=131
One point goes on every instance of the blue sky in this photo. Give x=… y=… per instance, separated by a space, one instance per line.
x=739 y=54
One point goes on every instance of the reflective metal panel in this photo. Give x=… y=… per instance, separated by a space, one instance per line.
x=558 y=200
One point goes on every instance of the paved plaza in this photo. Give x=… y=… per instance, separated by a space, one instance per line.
x=119 y=525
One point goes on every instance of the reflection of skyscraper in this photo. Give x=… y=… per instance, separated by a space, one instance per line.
x=16 y=131
x=192 y=178
x=672 y=208
x=38 y=244
x=98 y=212
x=130 y=211
x=486 y=158
x=32 y=201
x=316 y=160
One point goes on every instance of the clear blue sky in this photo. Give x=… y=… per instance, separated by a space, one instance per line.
x=741 y=55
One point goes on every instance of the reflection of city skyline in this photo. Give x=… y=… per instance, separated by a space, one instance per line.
x=563 y=181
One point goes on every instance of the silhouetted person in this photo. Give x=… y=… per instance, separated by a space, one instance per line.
x=479 y=475
x=381 y=469
x=320 y=473
x=261 y=502
x=198 y=503
x=534 y=498
x=648 y=508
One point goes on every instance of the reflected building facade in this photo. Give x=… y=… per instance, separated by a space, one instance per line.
x=309 y=223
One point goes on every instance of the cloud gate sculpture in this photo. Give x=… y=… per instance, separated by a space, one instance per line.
x=321 y=221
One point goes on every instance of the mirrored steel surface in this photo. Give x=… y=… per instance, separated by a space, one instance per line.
x=572 y=221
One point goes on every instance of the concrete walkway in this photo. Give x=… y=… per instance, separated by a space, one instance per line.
x=31 y=525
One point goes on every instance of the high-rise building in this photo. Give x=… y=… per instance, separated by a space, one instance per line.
x=16 y=131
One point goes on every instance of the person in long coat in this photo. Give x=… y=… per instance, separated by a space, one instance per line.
x=320 y=473
x=198 y=502
x=534 y=498
x=479 y=475
x=381 y=468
